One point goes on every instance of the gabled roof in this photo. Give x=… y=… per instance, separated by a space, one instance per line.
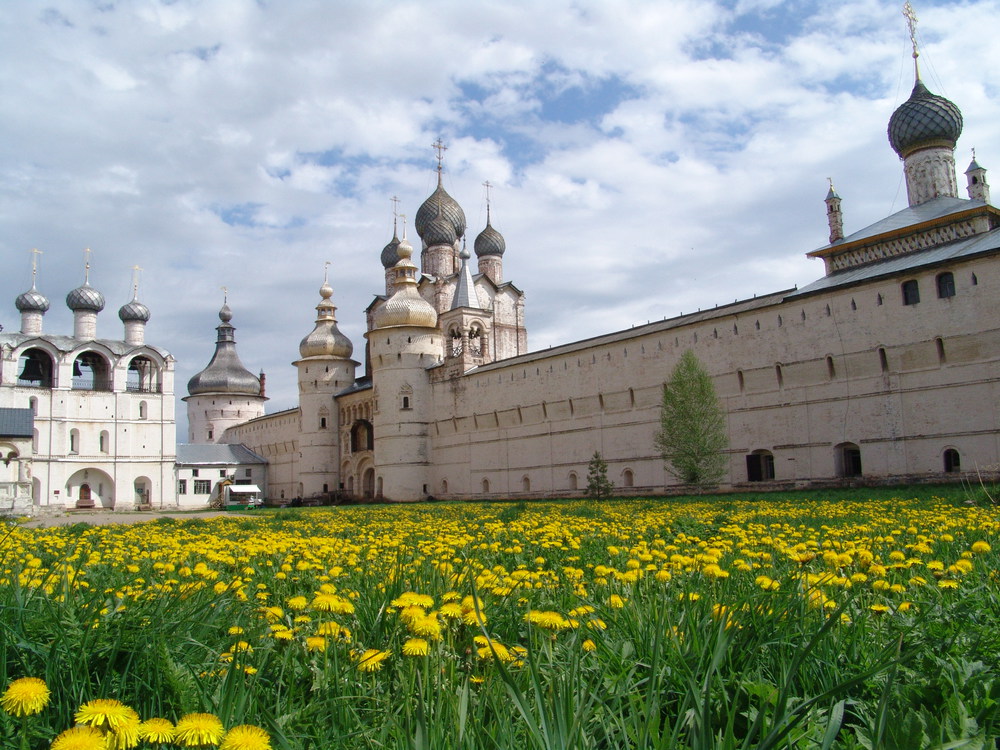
x=221 y=454
x=16 y=422
x=909 y=219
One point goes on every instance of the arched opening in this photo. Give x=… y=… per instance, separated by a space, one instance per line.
x=628 y=478
x=143 y=492
x=378 y=487
x=104 y=441
x=574 y=481
x=848 y=460
x=34 y=369
x=945 y=285
x=444 y=486
x=362 y=436
x=760 y=466
x=952 y=461
x=143 y=410
x=90 y=488
x=368 y=483
x=142 y=376
x=525 y=484
x=91 y=373
x=350 y=485
x=486 y=485
x=911 y=292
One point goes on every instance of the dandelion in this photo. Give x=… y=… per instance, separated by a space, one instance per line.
x=316 y=643
x=980 y=547
x=947 y=583
x=246 y=737
x=156 y=730
x=588 y=645
x=616 y=602
x=113 y=716
x=416 y=647
x=371 y=660
x=79 y=738
x=297 y=603
x=198 y=730
x=25 y=696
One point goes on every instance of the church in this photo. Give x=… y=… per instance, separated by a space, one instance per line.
x=884 y=370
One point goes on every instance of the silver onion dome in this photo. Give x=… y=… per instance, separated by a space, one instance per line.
x=489 y=242
x=389 y=255
x=32 y=301
x=924 y=119
x=448 y=207
x=439 y=232
x=225 y=374
x=85 y=298
x=134 y=311
x=326 y=340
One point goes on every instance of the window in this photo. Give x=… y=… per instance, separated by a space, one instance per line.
x=222 y=473
x=739 y=378
x=939 y=344
x=911 y=292
x=486 y=485
x=760 y=466
x=831 y=369
x=248 y=473
x=202 y=487
x=143 y=410
x=946 y=285
x=182 y=486
x=103 y=441
x=194 y=472
x=848 y=460
x=406 y=402
x=952 y=461
x=525 y=484
x=883 y=359
x=779 y=375
x=322 y=423
x=74 y=441
x=573 y=481
x=628 y=478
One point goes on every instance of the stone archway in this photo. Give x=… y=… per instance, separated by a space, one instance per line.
x=90 y=488
x=368 y=483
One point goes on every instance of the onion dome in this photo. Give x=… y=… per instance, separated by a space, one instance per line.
x=405 y=307
x=925 y=119
x=134 y=311
x=32 y=301
x=225 y=373
x=389 y=255
x=326 y=340
x=85 y=298
x=489 y=242
x=439 y=232
x=439 y=201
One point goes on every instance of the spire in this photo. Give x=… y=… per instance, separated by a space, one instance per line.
x=465 y=289
x=977 y=187
x=439 y=146
x=833 y=215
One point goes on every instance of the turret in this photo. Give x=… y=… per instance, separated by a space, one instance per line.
x=85 y=302
x=833 y=215
x=978 y=188
x=134 y=315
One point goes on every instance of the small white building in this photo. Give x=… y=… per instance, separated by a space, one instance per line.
x=220 y=475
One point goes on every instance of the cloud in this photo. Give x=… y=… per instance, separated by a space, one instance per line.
x=648 y=158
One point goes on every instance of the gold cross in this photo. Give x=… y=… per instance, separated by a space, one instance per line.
x=439 y=146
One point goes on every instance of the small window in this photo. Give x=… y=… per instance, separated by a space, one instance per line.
x=103 y=441
x=526 y=484
x=911 y=292
x=406 y=402
x=211 y=435
x=248 y=473
x=939 y=344
x=322 y=423
x=952 y=461
x=143 y=410
x=194 y=472
x=883 y=359
x=854 y=305
x=202 y=487
x=831 y=369
x=74 y=441
x=779 y=375
x=975 y=280
x=739 y=378
x=628 y=478
x=946 y=285
x=848 y=460
x=878 y=299
x=574 y=482
x=182 y=486
x=486 y=485
x=222 y=473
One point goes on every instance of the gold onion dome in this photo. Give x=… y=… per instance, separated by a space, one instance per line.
x=924 y=120
x=405 y=307
x=326 y=340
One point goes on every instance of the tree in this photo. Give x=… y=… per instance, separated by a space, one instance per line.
x=692 y=437
x=598 y=484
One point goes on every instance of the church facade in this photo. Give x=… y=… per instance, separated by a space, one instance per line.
x=886 y=369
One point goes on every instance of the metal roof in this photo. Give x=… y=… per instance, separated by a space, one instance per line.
x=69 y=343
x=16 y=422
x=216 y=453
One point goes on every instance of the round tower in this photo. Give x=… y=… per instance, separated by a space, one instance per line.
x=225 y=393
x=325 y=368
x=85 y=302
x=404 y=342
x=32 y=305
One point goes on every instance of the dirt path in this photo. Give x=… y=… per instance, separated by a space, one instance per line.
x=104 y=517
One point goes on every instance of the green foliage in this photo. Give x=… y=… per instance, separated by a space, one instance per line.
x=598 y=484
x=692 y=437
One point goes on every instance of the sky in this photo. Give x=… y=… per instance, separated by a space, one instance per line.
x=647 y=158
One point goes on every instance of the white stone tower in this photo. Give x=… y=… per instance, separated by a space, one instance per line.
x=404 y=342
x=325 y=368
x=225 y=393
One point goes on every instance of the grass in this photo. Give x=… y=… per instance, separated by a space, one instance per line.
x=847 y=620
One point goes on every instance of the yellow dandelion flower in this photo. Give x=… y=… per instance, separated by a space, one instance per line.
x=316 y=643
x=111 y=715
x=416 y=647
x=25 y=696
x=980 y=547
x=79 y=738
x=282 y=635
x=371 y=660
x=246 y=737
x=879 y=609
x=198 y=729
x=616 y=602
x=297 y=603
x=241 y=646
x=236 y=630
x=947 y=583
x=156 y=730
x=332 y=603
x=588 y=645
x=477 y=680
x=451 y=610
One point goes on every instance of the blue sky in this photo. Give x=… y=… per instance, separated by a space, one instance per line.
x=648 y=158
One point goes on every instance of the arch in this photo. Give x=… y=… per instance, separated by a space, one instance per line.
x=911 y=292
x=486 y=485
x=142 y=375
x=350 y=484
x=525 y=483
x=628 y=478
x=91 y=488
x=574 y=481
x=362 y=436
x=35 y=369
x=104 y=441
x=368 y=482
x=760 y=466
x=91 y=372
x=952 y=461
x=847 y=460
x=945 y=283
x=143 y=489
x=444 y=486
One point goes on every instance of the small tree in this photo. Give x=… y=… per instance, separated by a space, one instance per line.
x=598 y=484
x=692 y=436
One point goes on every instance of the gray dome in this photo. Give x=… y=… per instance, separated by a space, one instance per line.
x=134 y=311
x=85 y=298
x=225 y=374
x=31 y=301
x=389 y=255
x=489 y=242
x=439 y=232
x=449 y=208
x=924 y=118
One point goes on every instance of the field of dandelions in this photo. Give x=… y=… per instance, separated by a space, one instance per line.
x=711 y=623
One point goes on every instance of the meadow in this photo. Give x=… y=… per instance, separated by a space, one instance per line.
x=863 y=620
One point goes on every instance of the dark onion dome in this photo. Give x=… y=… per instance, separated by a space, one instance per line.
x=225 y=373
x=428 y=211
x=134 y=311
x=924 y=119
x=85 y=298
x=389 y=255
x=31 y=301
x=489 y=242
x=439 y=232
